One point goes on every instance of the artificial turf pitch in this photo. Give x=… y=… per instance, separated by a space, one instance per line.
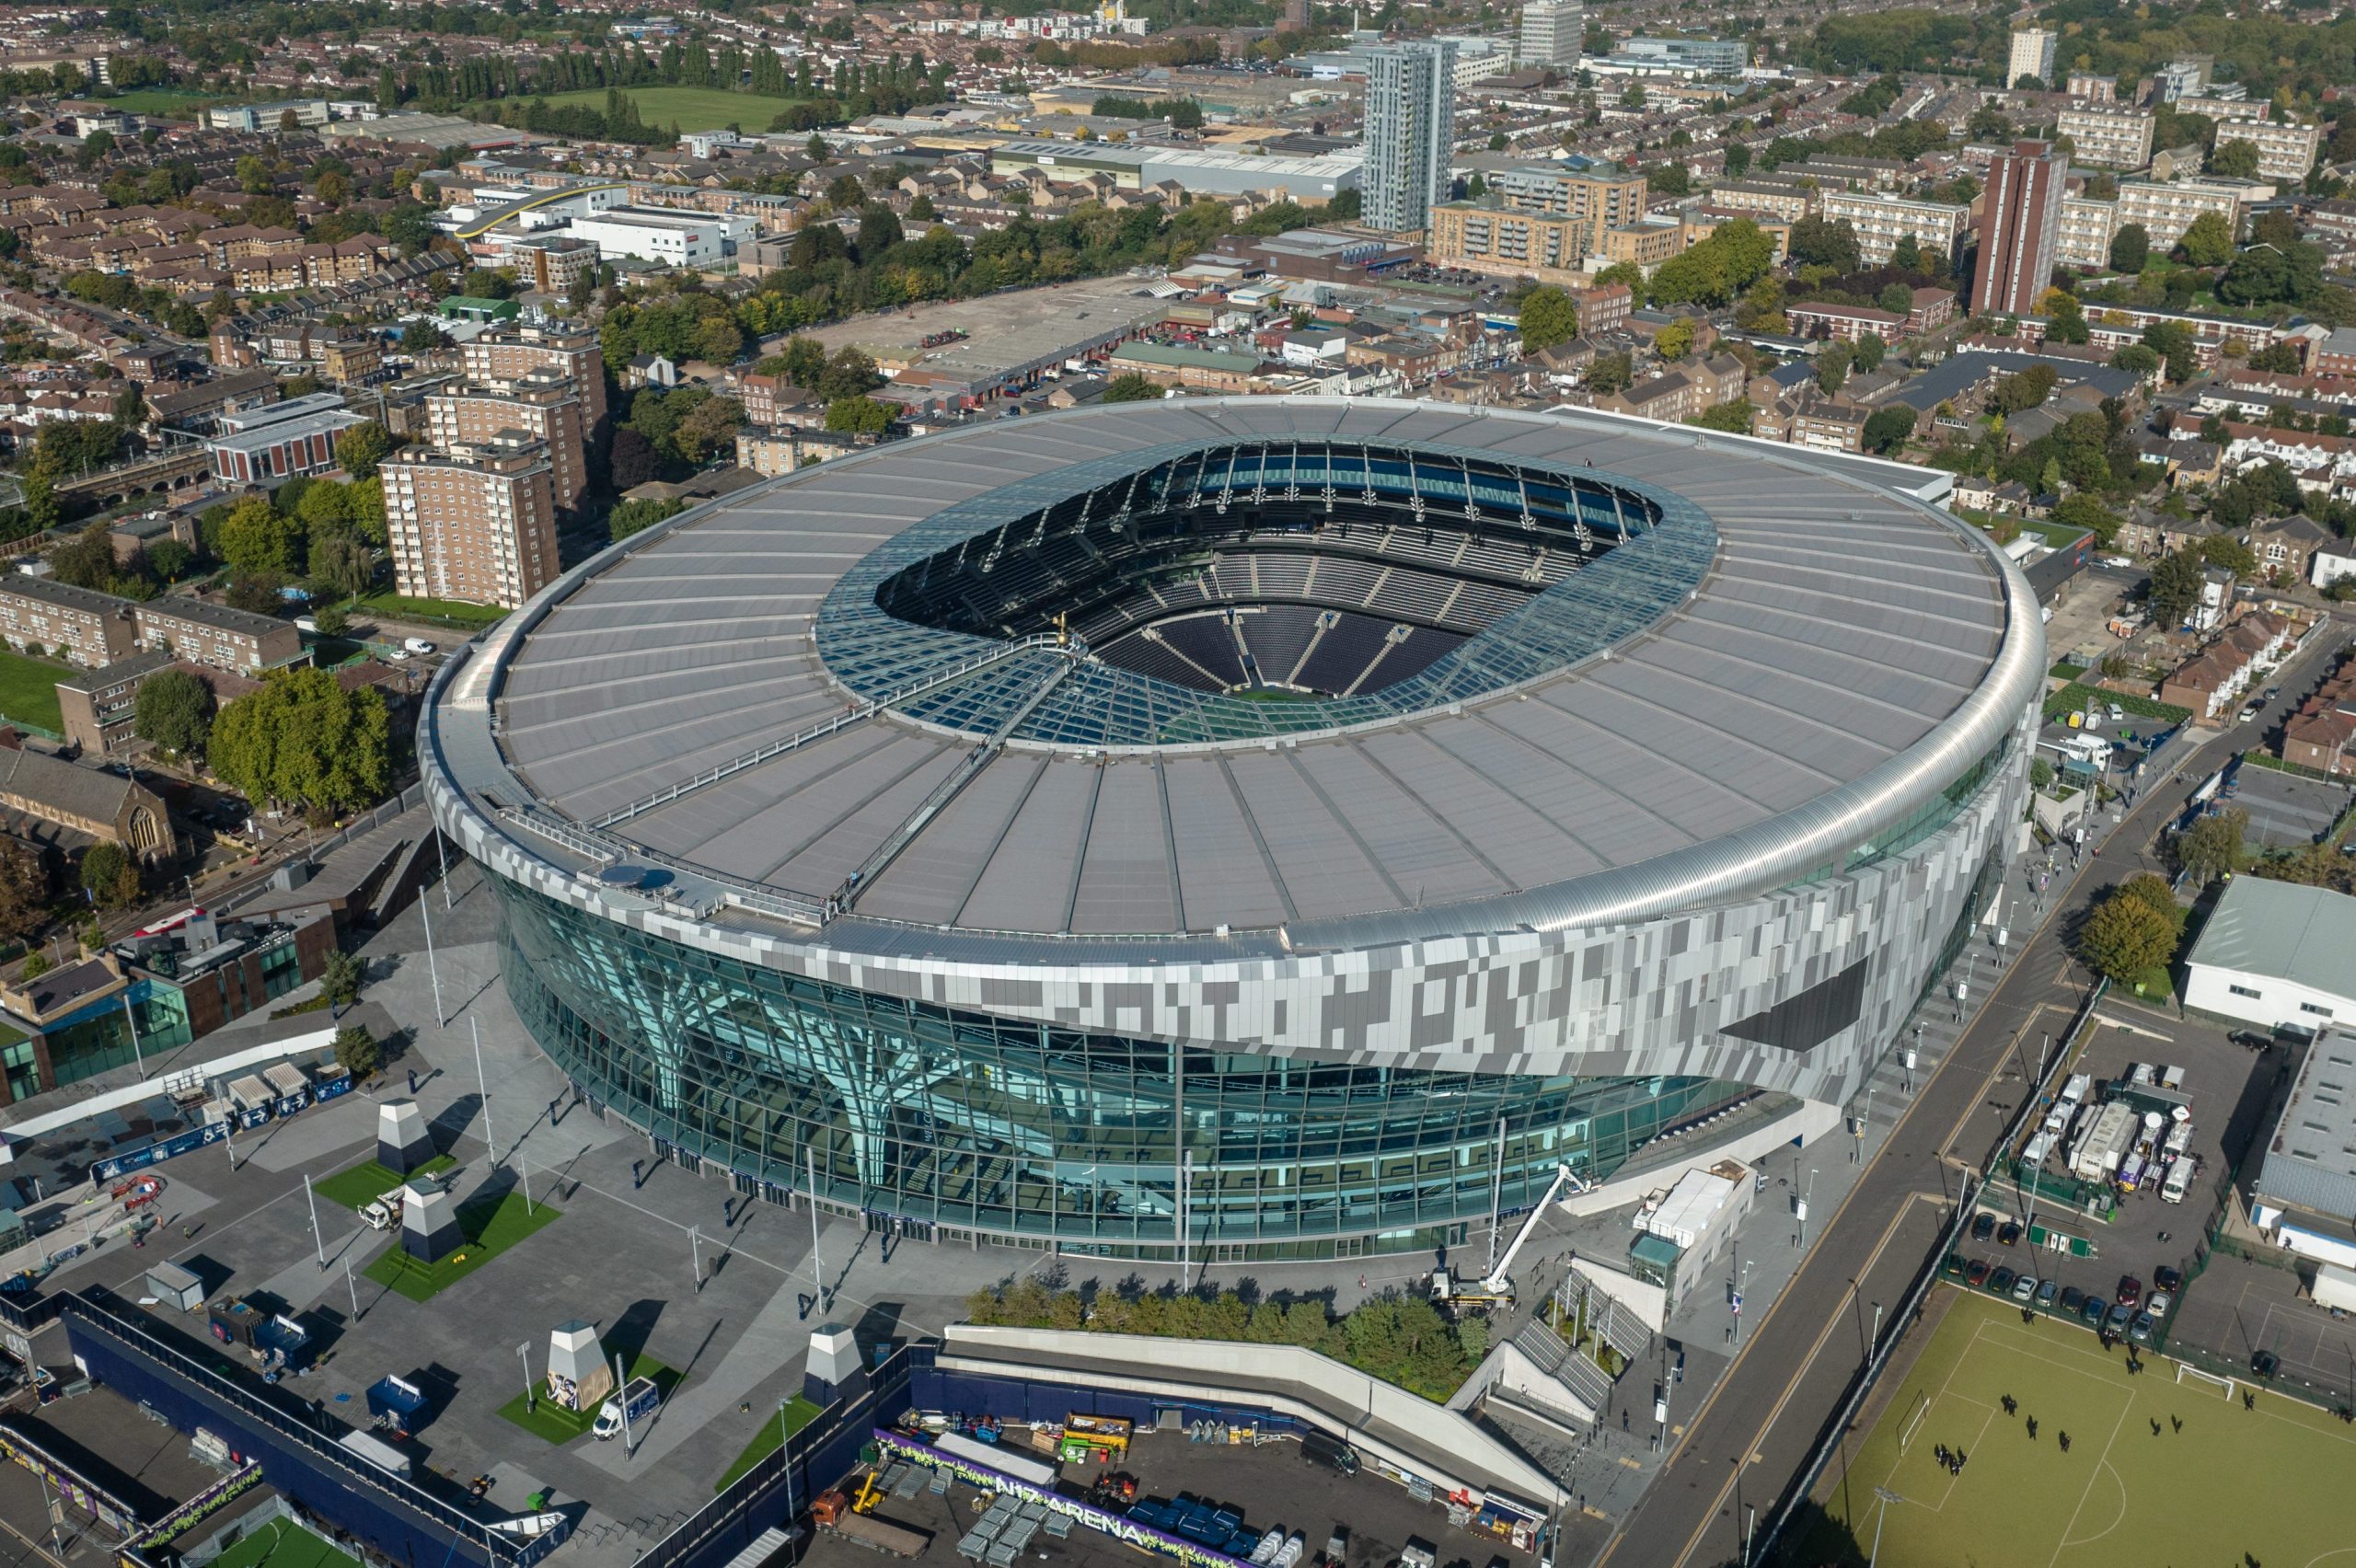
x=281 y=1544
x=2274 y=1485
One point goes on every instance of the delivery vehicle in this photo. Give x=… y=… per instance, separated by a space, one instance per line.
x=417 y=645
x=1319 y=1448
x=308 y=623
x=639 y=1399
x=2179 y=1180
x=834 y=1510
x=2335 y=1287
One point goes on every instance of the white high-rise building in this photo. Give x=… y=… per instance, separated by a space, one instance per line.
x=1552 y=33
x=1410 y=131
x=2033 y=50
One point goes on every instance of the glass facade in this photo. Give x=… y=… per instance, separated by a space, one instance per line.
x=941 y=1120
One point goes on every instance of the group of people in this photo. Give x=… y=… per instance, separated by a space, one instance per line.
x=1951 y=1460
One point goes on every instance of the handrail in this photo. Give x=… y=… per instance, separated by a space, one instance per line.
x=866 y=708
x=800 y=908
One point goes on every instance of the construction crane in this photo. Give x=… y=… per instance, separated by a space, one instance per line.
x=1495 y=1288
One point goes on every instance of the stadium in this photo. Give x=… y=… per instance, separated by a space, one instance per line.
x=1264 y=827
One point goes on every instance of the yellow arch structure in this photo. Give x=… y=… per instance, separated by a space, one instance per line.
x=481 y=227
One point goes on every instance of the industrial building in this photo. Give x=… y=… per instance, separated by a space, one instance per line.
x=2275 y=954
x=1280 y=827
x=1204 y=170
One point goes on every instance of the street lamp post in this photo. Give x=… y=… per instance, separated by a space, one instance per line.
x=530 y=1402
x=1888 y=1497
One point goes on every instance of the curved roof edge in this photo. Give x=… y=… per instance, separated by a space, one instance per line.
x=467 y=776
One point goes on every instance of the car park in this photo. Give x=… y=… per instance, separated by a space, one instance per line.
x=2025 y=1287
x=2001 y=1282
x=1984 y=1228
x=1977 y=1274
x=2130 y=1290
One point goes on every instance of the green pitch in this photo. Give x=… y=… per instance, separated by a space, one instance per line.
x=2274 y=1482
x=279 y=1543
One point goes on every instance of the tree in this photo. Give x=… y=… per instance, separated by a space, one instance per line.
x=1609 y=373
x=718 y=340
x=24 y=889
x=1675 y=340
x=360 y=449
x=340 y=979
x=303 y=740
x=1867 y=352
x=1896 y=298
x=2130 y=246
x=1821 y=242
x=2151 y=888
x=1132 y=388
x=1832 y=362
x=1717 y=268
x=345 y=562
x=636 y=516
x=255 y=539
x=632 y=462
x=2236 y=159
x=710 y=428
x=1907 y=257
x=2041 y=774
x=1732 y=417
x=2208 y=242
x=168 y=558
x=805 y=361
x=2214 y=846
x=173 y=711
x=1549 y=315
x=1888 y=429
x=357 y=1051
x=2083 y=511
x=2135 y=357
x=2176 y=585
x=109 y=876
x=331 y=620
x=424 y=336
x=848 y=374
x=2125 y=937
x=860 y=416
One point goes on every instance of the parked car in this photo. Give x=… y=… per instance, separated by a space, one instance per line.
x=2001 y=1282
x=2045 y=1292
x=1953 y=1267
x=2265 y=1363
x=2120 y=1315
x=2168 y=1278
x=2252 y=711
x=2140 y=1331
x=2091 y=1311
x=2072 y=1298
x=2251 y=1040
x=2130 y=1290
x=2010 y=1233
x=2159 y=1304
x=1984 y=1228
x=1977 y=1274
x=2025 y=1289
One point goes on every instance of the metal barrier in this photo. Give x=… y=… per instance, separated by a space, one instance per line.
x=1829 y=1444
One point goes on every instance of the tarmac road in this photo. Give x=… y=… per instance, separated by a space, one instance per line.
x=1749 y=1441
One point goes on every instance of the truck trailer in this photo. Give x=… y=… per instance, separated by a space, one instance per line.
x=2335 y=1287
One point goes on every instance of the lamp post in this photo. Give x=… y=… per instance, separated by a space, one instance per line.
x=1888 y=1497
x=425 y=913
x=785 y=1452
x=530 y=1402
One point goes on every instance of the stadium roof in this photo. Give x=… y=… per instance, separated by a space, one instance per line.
x=1805 y=660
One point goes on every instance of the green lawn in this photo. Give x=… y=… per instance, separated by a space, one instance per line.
x=799 y=1413
x=2133 y=1490
x=163 y=101
x=282 y=1543
x=366 y=1181
x=552 y=1423
x=490 y=1226
x=691 y=109
x=29 y=689
x=446 y=612
x=2073 y=697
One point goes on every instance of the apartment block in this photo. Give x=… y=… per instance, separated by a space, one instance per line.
x=2032 y=55
x=476 y=523
x=1880 y=222
x=2168 y=209
x=2110 y=135
x=2020 y=224
x=506 y=352
x=1483 y=237
x=2285 y=151
x=215 y=635
x=2087 y=227
x=542 y=403
x=81 y=624
x=1790 y=204
x=1645 y=244
x=1607 y=199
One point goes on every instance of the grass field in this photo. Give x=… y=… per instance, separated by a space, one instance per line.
x=455 y=612
x=552 y=1423
x=366 y=1181
x=799 y=1413
x=2134 y=1489
x=490 y=1226
x=282 y=1543
x=692 y=109
x=29 y=689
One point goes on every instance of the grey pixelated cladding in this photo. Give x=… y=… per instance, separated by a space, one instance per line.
x=1851 y=652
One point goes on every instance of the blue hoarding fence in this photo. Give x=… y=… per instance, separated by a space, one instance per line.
x=157 y=1151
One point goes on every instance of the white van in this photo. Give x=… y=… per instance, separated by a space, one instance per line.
x=308 y=623
x=417 y=645
x=2179 y=1180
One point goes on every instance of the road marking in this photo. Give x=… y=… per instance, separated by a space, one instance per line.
x=1904 y=1211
